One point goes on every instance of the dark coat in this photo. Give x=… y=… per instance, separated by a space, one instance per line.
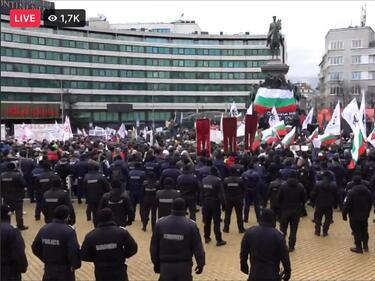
x=267 y=249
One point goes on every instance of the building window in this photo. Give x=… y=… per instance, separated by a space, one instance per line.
x=357 y=43
x=356 y=75
x=336 y=60
x=336 y=91
x=336 y=45
x=356 y=90
x=335 y=76
x=356 y=59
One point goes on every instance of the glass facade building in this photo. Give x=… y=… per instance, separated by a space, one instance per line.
x=158 y=73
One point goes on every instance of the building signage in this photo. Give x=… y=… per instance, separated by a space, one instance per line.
x=7 y=5
x=32 y=111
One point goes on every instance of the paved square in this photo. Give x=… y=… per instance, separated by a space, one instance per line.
x=315 y=258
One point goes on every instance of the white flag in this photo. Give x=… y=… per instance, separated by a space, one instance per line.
x=250 y=110
x=122 y=131
x=84 y=132
x=308 y=119
x=134 y=133
x=234 y=111
x=67 y=134
x=145 y=133
x=362 y=114
x=352 y=115
x=151 y=133
x=57 y=133
x=274 y=117
x=334 y=125
x=221 y=122
x=79 y=132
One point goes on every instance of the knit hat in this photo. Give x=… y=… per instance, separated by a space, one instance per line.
x=178 y=206
x=61 y=212
x=267 y=217
x=104 y=215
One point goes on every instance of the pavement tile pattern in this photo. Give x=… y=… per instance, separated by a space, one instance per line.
x=315 y=258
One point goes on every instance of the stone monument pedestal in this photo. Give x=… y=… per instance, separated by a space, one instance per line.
x=275 y=68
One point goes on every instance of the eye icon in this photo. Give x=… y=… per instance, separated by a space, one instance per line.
x=52 y=18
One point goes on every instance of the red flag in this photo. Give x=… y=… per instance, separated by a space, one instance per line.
x=251 y=122
x=203 y=136
x=230 y=134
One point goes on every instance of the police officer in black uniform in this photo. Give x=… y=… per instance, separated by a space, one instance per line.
x=324 y=197
x=151 y=164
x=189 y=186
x=108 y=246
x=174 y=242
x=13 y=191
x=135 y=187
x=212 y=197
x=292 y=198
x=165 y=196
x=149 y=203
x=273 y=195
x=64 y=169
x=56 y=245
x=234 y=194
x=267 y=249
x=95 y=184
x=119 y=202
x=357 y=205
x=13 y=257
x=54 y=197
x=43 y=182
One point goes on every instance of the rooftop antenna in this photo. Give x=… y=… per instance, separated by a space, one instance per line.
x=363 y=15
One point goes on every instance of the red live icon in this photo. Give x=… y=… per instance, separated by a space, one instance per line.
x=24 y=18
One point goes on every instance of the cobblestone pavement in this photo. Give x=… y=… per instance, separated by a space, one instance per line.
x=315 y=258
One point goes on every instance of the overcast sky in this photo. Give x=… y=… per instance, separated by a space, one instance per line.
x=304 y=23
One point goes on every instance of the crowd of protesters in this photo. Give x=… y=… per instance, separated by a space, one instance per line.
x=117 y=177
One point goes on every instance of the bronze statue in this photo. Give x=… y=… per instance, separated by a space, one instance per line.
x=275 y=39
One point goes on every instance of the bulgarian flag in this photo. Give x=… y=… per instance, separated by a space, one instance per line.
x=289 y=138
x=256 y=142
x=314 y=134
x=280 y=128
x=327 y=139
x=269 y=136
x=358 y=148
x=371 y=138
x=282 y=99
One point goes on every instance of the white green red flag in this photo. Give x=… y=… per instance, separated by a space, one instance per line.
x=314 y=134
x=269 y=136
x=327 y=139
x=289 y=137
x=280 y=128
x=358 y=147
x=256 y=142
x=371 y=138
x=282 y=99
x=308 y=119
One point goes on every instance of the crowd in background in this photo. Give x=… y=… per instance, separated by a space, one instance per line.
x=102 y=173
